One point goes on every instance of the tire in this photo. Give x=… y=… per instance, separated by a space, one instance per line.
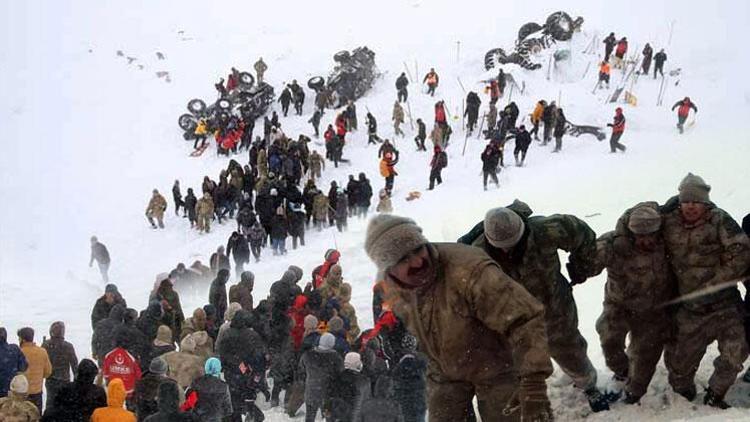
x=187 y=122
x=247 y=79
x=493 y=57
x=560 y=26
x=342 y=56
x=316 y=83
x=528 y=29
x=196 y=106
x=224 y=104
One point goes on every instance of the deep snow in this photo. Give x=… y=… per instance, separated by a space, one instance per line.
x=90 y=136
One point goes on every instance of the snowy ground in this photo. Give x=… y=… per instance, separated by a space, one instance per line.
x=90 y=136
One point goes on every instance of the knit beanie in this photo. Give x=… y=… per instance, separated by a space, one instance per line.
x=335 y=324
x=110 y=288
x=213 y=367
x=187 y=344
x=310 y=323
x=353 y=361
x=390 y=238
x=644 y=220
x=158 y=366
x=326 y=341
x=231 y=311
x=19 y=384
x=503 y=228
x=694 y=189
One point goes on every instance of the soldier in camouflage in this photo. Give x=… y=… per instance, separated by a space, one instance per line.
x=708 y=252
x=17 y=407
x=639 y=281
x=526 y=249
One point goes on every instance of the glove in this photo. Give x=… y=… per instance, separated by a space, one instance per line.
x=532 y=395
x=610 y=125
x=576 y=276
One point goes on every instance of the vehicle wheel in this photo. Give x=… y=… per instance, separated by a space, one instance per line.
x=342 y=56
x=224 y=104
x=494 y=57
x=316 y=83
x=247 y=79
x=560 y=26
x=196 y=106
x=187 y=122
x=528 y=29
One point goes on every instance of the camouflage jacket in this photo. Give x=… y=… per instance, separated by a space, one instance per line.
x=711 y=252
x=474 y=322
x=535 y=262
x=205 y=207
x=15 y=408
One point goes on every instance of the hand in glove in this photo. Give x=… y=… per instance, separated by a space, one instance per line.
x=576 y=276
x=535 y=406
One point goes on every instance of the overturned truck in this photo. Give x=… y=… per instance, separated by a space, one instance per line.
x=248 y=101
x=533 y=38
x=350 y=79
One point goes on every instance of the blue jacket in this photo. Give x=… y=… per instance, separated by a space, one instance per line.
x=12 y=361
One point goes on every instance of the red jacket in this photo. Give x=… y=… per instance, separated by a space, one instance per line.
x=298 y=312
x=440 y=114
x=618 y=125
x=120 y=364
x=622 y=48
x=328 y=135
x=340 y=126
x=231 y=82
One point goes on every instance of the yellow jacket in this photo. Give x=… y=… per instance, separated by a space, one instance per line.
x=39 y=366
x=536 y=115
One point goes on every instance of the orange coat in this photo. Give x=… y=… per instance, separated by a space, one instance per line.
x=386 y=168
x=114 y=412
x=39 y=366
x=604 y=68
x=536 y=115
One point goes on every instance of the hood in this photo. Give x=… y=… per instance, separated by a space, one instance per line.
x=247 y=279
x=168 y=398
x=57 y=330
x=240 y=320
x=200 y=337
x=117 y=312
x=87 y=371
x=116 y=393
x=164 y=334
x=231 y=311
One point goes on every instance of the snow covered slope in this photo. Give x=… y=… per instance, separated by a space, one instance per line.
x=87 y=136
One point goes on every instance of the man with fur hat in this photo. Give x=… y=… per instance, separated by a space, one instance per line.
x=526 y=248
x=64 y=361
x=16 y=406
x=709 y=253
x=482 y=332
x=639 y=281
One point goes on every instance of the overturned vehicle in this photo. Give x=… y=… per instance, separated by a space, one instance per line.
x=533 y=38
x=248 y=101
x=350 y=79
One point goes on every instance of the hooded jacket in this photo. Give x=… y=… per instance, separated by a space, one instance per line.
x=114 y=412
x=12 y=361
x=380 y=407
x=169 y=406
x=86 y=395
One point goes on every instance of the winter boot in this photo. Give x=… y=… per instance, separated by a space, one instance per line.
x=714 y=400
x=631 y=398
x=600 y=402
x=689 y=393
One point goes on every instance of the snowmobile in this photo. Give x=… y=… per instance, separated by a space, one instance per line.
x=533 y=38
x=248 y=101
x=350 y=79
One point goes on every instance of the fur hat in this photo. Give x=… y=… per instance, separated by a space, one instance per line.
x=335 y=324
x=390 y=238
x=297 y=271
x=163 y=335
x=353 y=361
x=187 y=344
x=503 y=228
x=644 y=220
x=57 y=329
x=694 y=189
x=326 y=341
x=19 y=384
x=231 y=311
x=158 y=366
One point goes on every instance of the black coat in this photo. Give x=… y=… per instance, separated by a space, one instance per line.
x=103 y=340
x=87 y=396
x=149 y=321
x=659 y=59
x=402 y=82
x=190 y=202
x=348 y=393
x=364 y=193
x=523 y=139
x=490 y=159
x=146 y=392
x=380 y=408
x=320 y=370
x=560 y=125
x=217 y=296
x=239 y=248
x=410 y=385
x=279 y=227
x=169 y=407
x=102 y=308
x=214 y=402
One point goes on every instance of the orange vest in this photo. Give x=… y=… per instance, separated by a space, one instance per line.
x=604 y=68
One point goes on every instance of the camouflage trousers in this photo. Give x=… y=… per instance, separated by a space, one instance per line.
x=204 y=223
x=567 y=347
x=696 y=330
x=450 y=401
x=649 y=333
